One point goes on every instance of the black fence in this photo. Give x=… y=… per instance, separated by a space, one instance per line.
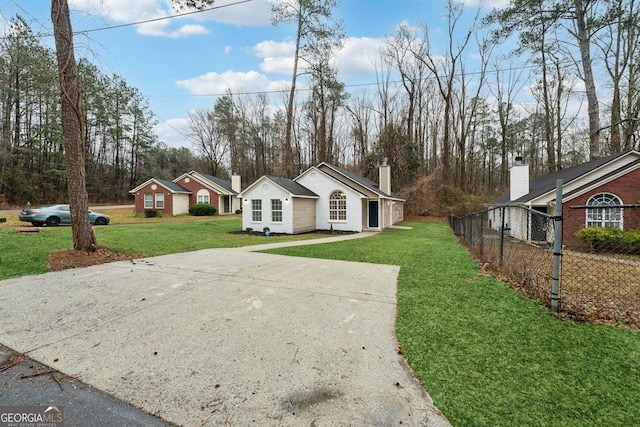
x=599 y=270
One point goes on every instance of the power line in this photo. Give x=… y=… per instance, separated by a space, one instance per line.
x=130 y=24
x=193 y=12
x=354 y=85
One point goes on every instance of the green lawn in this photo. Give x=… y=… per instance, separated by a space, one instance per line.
x=24 y=254
x=486 y=355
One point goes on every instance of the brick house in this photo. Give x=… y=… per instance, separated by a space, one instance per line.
x=170 y=198
x=166 y=197
x=604 y=192
x=212 y=190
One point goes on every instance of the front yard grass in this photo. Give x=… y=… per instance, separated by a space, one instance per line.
x=26 y=253
x=487 y=355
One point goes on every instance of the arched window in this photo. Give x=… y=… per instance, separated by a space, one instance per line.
x=203 y=196
x=337 y=206
x=604 y=211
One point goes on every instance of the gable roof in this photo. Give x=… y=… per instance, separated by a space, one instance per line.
x=360 y=180
x=218 y=181
x=547 y=183
x=293 y=187
x=287 y=185
x=218 y=184
x=169 y=185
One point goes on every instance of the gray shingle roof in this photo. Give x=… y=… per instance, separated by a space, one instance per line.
x=365 y=182
x=218 y=181
x=172 y=186
x=547 y=183
x=292 y=187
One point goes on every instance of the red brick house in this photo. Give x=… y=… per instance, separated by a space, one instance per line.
x=604 y=192
x=166 y=197
x=175 y=197
x=212 y=190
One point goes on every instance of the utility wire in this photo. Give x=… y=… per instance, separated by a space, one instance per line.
x=130 y=24
x=354 y=85
x=161 y=18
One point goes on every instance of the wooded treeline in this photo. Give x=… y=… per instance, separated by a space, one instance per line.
x=455 y=109
x=459 y=109
x=121 y=147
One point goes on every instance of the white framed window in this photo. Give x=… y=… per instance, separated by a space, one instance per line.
x=159 y=200
x=276 y=210
x=203 y=197
x=148 y=201
x=337 y=206
x=604 y=211
x=256 y=210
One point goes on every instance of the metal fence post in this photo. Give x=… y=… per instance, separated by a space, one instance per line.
x=502 y=235
x=557 y=248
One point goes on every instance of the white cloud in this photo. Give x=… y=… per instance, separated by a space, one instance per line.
x=172 y=132
x=4 y=24
x=237 y=82
x=359 y=56
x=121 y=10
x=252 y=14
x=488 y=4
x=277 y=57
x=156 y=29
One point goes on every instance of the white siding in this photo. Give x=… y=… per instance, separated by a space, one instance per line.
x=265 y=191
x=323 y=186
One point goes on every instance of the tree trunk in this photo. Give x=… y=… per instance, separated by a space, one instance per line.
x=584 y=43
x=72 y=126
x=288 y=167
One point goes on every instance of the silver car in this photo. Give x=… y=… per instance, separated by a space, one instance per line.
x=53 y=215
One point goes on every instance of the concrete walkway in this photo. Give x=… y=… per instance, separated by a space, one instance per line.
x=226 y=337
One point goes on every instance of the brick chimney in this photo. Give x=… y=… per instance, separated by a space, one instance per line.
x=519 y=179
x=385 y=177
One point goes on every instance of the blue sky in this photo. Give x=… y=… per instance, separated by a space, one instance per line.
x=180 y=64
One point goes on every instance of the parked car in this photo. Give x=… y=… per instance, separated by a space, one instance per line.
x=53 y=215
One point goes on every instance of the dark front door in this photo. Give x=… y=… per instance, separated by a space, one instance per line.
x=373 y=214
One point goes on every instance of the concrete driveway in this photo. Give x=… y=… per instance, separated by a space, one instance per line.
x=225 y=337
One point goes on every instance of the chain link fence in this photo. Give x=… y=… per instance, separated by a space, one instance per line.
x=600 y=264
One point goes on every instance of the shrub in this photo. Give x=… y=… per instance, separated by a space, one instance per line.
x=238 y=211
x=631 y=239
x=249 y=230
x=202 y=209
x=600 y=238
x=266 y=231
x=150 y=213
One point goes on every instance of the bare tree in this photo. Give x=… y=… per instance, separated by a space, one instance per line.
x=205 y=131
x=445 y=73
x=508 y=84
x=313 y=33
